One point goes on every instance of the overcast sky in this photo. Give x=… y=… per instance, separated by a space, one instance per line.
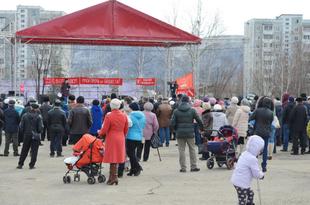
x=233 y=13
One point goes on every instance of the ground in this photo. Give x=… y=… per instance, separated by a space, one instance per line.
x=287 y=182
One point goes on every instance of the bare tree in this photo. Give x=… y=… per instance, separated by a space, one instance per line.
x=204 y=30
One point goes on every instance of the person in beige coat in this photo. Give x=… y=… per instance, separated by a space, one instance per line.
x=164 y=113
x=240 y=122
x=232 y=109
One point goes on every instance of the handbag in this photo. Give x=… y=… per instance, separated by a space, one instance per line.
x=155 y=141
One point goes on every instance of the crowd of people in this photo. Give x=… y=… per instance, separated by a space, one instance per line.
x=127 y=126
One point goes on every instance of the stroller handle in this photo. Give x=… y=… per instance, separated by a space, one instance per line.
x=218 y=132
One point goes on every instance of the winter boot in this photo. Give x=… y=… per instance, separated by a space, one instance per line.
x=113 y=175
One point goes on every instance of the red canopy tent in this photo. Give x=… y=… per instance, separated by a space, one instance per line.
x=108 y=23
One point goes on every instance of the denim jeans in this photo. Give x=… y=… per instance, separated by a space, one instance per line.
x=265 y=153
x=197 y=134
x=272 y=137
x=164 y=134
x=286 y=134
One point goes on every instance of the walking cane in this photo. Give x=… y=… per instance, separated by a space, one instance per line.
x=158 y=154
x=259 y=194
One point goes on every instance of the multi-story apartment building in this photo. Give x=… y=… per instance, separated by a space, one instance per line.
x=275 y=53
x=23 y=17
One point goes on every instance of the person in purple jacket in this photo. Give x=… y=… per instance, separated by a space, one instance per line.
x=151 y=127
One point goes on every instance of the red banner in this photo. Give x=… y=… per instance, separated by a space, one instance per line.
x=84 y=81
x=146 y=81
x=59 y=81
x=185 y=85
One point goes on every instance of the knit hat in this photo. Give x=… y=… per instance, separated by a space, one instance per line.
x=299 y=99
x=148 y=106
x=245 y=102
x=234 y=100
x=134 y=106
x=206 y=106
x=217 y=107
x=115 y=104
x=197 y=103
x=32 y=100
x=212 y=101
x=205 y=99
x=291 y=99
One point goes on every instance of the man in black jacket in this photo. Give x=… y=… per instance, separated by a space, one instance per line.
x=11 y=122
x=31 y=126
x=79 y=121
x=298 y=124
x=183 y=124
x=44 y=108
x=57 y=126
x=1 y=124
x=285 y=122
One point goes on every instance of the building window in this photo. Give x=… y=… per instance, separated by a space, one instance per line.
x=267 y=27
x=277 y=37
x=287 y=24
x=22 y=15
x=267 y=53
x=286 y=32
x=267 y=63
x=296 y=38
x=22 y=11
x=297 y=21
x=271 y=45
x=286 y=45
x=268 y=36
x=307 y=37
x=23 y=21
x=265 y=45
x=1 y=61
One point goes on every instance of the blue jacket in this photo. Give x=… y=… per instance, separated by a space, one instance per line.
x=135 y=132
x=96 y=114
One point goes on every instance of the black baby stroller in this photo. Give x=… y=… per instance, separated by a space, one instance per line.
x=222 y=147
x=88 y=157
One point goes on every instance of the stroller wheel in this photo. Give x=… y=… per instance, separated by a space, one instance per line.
x=64 y=179
x=101 y=178
x=219 y=164
x=230 y=163
x=68 y=179
x=76 y=178
x=210 y=163
x=91 y=180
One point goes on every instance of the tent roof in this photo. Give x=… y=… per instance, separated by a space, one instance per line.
x=108 y=23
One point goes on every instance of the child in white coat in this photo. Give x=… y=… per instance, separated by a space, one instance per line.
x=247 y=168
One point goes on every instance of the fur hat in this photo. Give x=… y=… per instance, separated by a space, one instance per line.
x=234 y=100
x=115 y=104
x=217 y=107
x=148 y=106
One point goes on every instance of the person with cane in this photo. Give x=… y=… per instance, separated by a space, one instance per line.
x=247 y=168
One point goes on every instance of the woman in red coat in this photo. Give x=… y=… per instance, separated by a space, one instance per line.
x=114 y=128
